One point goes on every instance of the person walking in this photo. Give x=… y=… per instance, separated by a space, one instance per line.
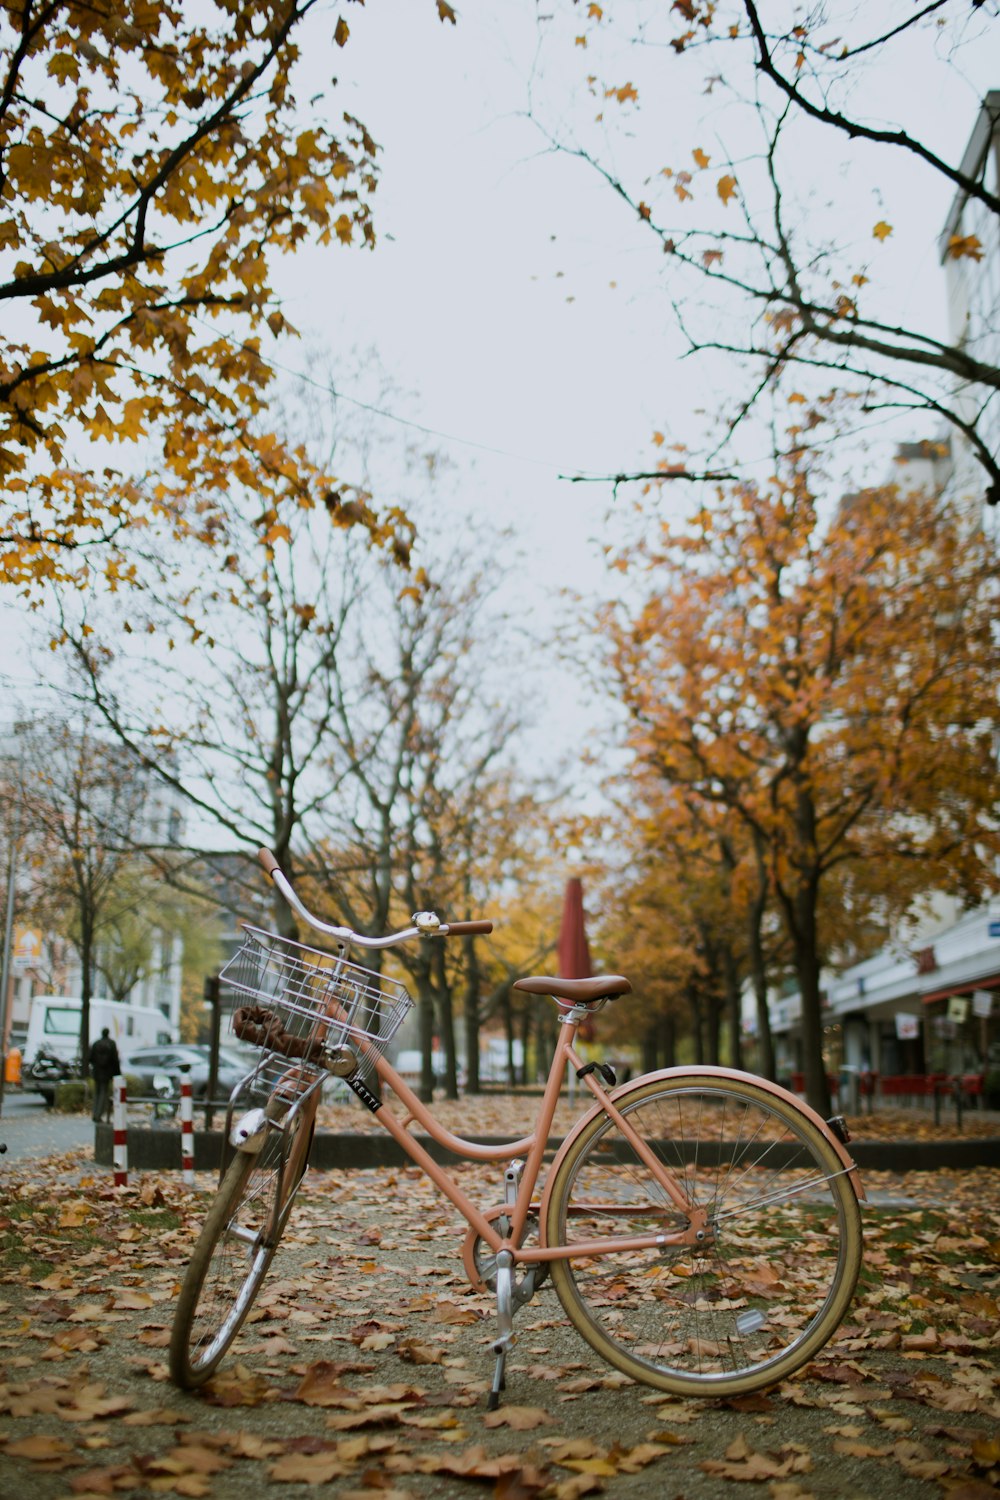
x=105 y=1065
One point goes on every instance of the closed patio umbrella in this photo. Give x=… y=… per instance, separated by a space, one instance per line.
x=573 y=950
x=574 y=954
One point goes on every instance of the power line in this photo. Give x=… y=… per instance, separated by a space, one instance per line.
x=389 y=416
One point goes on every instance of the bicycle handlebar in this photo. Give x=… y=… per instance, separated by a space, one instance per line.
x=426 y=928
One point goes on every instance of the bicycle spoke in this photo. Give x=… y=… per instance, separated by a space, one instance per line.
x=770 y=1282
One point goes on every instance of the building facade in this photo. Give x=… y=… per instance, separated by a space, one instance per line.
x=65 y=793
x=970 y=256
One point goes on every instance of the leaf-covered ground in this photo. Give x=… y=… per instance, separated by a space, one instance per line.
x=365 y=1363
x=502 y=1114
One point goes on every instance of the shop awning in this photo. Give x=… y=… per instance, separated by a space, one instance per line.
x=966 y=987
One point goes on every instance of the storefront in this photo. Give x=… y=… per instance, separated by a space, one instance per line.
x=962 y=1027
x=920 y=1012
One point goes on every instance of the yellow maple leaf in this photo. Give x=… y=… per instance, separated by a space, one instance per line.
x=701 y=160
x=51 y=1451
x=964 y=245
x=882 y=230
x=726 y=188
x=307 y=1468
x=342 y=32
x=64 y=66
x=74 y=1214
x=518 y=1418
x=623 y=94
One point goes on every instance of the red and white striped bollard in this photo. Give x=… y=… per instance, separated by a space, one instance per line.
x=187 y=1132
x=119 y=1154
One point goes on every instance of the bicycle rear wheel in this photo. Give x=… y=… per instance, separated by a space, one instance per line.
x=776 y=1273
x=236 y=1247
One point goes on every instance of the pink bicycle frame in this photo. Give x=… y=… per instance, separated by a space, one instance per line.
x=533 y=1148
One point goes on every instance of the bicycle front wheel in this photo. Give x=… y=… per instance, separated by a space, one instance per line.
x=235 y=1249
x=774 y=1276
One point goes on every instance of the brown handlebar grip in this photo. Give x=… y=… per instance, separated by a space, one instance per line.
x=268 y=860
x=460 y=929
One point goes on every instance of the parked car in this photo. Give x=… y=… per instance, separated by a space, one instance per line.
x=146 y=1063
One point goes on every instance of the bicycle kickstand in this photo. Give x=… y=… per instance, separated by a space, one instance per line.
x=505 y=1324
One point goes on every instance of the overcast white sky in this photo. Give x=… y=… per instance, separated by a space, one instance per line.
x=489 y=297
x=514 y=297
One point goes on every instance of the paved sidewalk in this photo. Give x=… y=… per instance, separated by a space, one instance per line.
x=30 y=1131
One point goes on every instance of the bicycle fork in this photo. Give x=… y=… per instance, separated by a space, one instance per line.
x=511 y=1293
x=248 y=1136
x=505 y=1324
x=507 y=1293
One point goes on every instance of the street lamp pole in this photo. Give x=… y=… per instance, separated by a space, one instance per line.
x=8 y=933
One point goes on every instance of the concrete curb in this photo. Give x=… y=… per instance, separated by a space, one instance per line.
x=160 y=1150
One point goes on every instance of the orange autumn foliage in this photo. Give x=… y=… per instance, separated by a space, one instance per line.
x=833 y=684
x=155 y=165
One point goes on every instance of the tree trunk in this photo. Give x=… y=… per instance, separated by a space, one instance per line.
x=472 y=1080
x=425 y=1018
x=807 y=969
x=694 y=1002
x=799 y=907
x=530 y=1022
x=86 y=991
x=713 y=1026
x=508 y=1031
x=668 y=1041
x=758 y=970
x=765 y=1041
x=87 y=914
x=446 y=1016
x=731 y=979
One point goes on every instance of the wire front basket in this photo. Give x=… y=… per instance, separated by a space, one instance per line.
x=313 y=1007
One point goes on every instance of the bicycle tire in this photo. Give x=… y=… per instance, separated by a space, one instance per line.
x=234 y=1250
x=775 y=1279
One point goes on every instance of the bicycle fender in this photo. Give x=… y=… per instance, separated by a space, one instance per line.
x=620 y=1095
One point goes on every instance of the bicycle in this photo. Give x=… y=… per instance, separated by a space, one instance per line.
x=700 y=1226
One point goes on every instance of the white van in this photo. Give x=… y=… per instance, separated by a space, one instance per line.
x=54 y=1025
